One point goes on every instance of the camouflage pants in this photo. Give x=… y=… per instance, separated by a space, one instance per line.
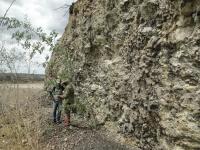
x=67 y=107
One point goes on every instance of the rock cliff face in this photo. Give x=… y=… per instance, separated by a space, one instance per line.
x=137 y=62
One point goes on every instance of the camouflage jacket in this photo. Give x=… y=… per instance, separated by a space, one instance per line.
x=69 y=94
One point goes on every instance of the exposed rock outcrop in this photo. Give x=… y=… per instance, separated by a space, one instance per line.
x=137 y=62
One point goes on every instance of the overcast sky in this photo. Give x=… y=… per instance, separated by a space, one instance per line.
x=41 y=13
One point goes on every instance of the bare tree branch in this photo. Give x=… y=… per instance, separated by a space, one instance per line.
x=66 y=7
x=4 y=16
x=9 y=8
x=63 y=7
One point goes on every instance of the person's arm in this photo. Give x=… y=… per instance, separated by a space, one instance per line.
x=64 y=95
x=53 y=89
x=52 y=92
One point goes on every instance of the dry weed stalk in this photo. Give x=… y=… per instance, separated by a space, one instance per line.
x=19 y=121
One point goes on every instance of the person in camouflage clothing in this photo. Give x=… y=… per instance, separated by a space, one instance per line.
x=68 y=101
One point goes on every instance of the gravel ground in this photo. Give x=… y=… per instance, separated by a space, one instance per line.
x=76 y=137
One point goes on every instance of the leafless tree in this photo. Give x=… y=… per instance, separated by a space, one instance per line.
x=9 y=59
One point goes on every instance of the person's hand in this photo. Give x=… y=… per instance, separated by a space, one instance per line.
x=61 y=96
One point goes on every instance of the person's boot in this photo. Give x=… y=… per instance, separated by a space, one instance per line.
x=54 y=121
x=59 y=122
x=67 y=120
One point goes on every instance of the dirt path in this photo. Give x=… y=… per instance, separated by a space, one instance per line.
x=79 y=136
x=75 y=138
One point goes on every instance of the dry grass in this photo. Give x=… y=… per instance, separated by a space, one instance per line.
x=19 y=116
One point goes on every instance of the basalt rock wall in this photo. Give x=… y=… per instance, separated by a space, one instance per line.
x=137 y=62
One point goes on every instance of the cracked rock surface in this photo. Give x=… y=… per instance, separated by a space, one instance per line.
x=137 y=63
